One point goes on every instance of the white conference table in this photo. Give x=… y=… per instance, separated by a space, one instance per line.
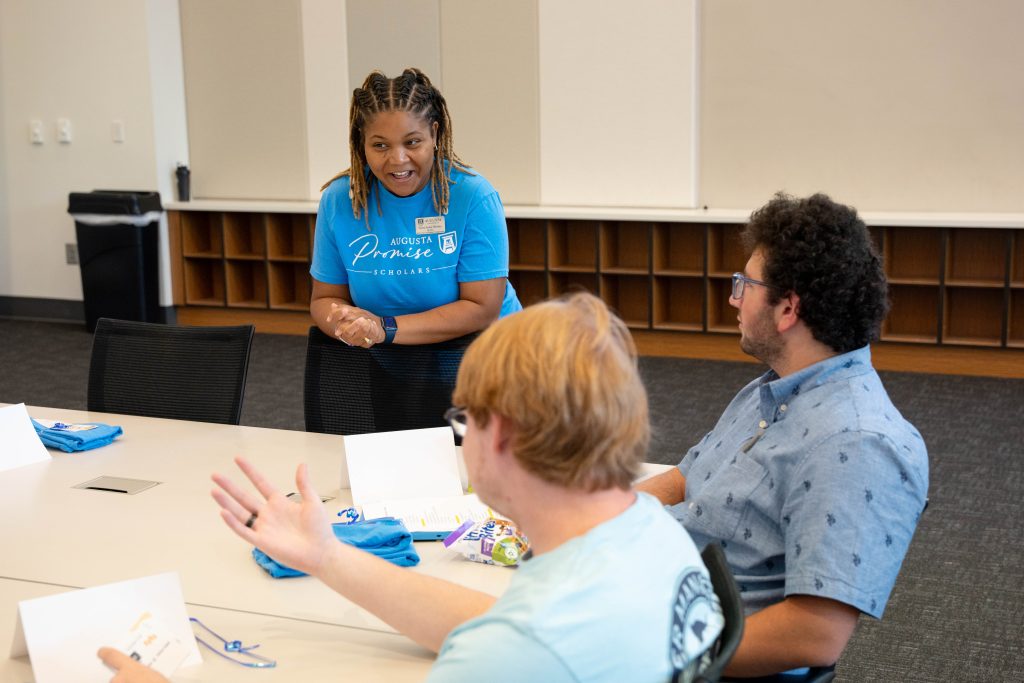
x=55 y=537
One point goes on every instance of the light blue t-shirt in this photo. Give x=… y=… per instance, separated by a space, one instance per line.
x=412 y=260
x=812 y=483
x=630 y=600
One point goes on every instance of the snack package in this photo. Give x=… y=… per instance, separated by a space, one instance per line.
x=492 y=541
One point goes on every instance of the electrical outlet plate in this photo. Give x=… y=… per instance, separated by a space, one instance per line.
x=71 y=253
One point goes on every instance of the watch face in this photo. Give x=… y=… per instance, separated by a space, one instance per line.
x=389 y=323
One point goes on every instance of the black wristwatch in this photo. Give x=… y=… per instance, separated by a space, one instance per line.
x=390 y=328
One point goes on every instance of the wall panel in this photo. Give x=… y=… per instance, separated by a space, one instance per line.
x=244 y=79
x=914 y=105
x=617 y=102
x=489 y=63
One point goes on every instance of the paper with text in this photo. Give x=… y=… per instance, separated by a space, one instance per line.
x=415 y=463
x=19 y=443
x=436 y=515
x=61 y=633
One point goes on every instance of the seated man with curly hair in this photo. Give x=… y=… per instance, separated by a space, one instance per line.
x=811 y=481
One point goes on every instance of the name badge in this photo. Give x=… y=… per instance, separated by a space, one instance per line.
x=431 y=225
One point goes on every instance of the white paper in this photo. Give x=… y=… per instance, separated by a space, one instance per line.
x=415 y=463
x=431 y=514
x=61 y=633
x=19 y=443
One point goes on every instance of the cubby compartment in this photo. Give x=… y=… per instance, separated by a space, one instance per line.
x=973 y=315
x=247 y=283
x=531 y=286
x=625 y=247
x=290 y=286
x=912 y=255
x=572 y=246
x=204 y=282
x=721 y=315
x=245 y=236
x=679 y=248
x=951 y=285
x=630 y=297
x=288 y=237
x=1015 y=326
x=914 y=315
x=678 y=303
x=976 y=257
x=527 y=239
x=1017 y=259
x=201 y=235
x=563 y=282
x=726 y=254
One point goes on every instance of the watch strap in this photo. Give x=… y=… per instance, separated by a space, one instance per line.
x=390 y=326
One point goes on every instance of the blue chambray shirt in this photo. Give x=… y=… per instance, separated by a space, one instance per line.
x=813 y=484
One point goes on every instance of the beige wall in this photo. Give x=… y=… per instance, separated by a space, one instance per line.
x=90 y=62
x=390 y=35
x=915 y=105
x=244 y=73
x=616 y=103
x=490 y=67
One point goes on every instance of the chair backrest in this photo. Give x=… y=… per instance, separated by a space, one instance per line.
x=185 y=373
x=352 y=390
x=732 y=609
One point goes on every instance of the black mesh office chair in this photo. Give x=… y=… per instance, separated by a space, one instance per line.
x=184 y=373
x=732 y=609
x=352 y=390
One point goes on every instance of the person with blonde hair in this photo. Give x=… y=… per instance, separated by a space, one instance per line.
x=411 y=245
x=554 y=421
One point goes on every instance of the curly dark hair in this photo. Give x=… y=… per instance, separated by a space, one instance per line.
x=823 y=252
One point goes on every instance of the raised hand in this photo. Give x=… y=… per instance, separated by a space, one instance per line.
x=298 y=535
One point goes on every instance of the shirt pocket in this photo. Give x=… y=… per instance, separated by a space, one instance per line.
x=724 y=499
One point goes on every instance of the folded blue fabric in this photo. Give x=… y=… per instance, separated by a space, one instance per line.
x=71 y=441
x=386 y=538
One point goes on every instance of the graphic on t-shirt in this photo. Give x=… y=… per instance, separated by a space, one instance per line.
x=448 y=242
x=696 y=621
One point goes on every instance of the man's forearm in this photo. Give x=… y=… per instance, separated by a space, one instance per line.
x=424 y=608
x=669 y=487
x=800 y=631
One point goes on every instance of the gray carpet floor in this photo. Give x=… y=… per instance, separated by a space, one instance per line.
x=957 y=612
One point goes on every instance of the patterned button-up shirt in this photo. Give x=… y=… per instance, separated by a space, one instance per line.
x=812 y=483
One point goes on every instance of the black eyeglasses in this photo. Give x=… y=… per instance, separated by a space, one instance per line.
x=456 y=417
x=739 y=281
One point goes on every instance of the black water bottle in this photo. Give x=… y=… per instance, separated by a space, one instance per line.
x=182 y=173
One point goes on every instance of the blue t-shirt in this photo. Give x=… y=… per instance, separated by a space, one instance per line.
x=630 y=600
x=412 y=260
x=812 y=483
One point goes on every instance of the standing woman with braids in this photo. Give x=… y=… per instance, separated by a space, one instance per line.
x=411 y=245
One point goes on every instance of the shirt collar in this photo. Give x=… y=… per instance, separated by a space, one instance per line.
x=776 y=392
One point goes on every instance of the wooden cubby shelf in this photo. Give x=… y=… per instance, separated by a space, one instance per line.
x=288 y=237
x=204 y=282
x=678 y=303
x=630 y=297
x=1015 y=332
x=914 y=314
x=625 y=248
x=245 y=236
x=960 y=285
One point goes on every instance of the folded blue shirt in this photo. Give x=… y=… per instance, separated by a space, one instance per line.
x=386 y=538
x=71 y=441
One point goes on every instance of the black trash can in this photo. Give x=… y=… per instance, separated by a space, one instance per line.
x=118 y=246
